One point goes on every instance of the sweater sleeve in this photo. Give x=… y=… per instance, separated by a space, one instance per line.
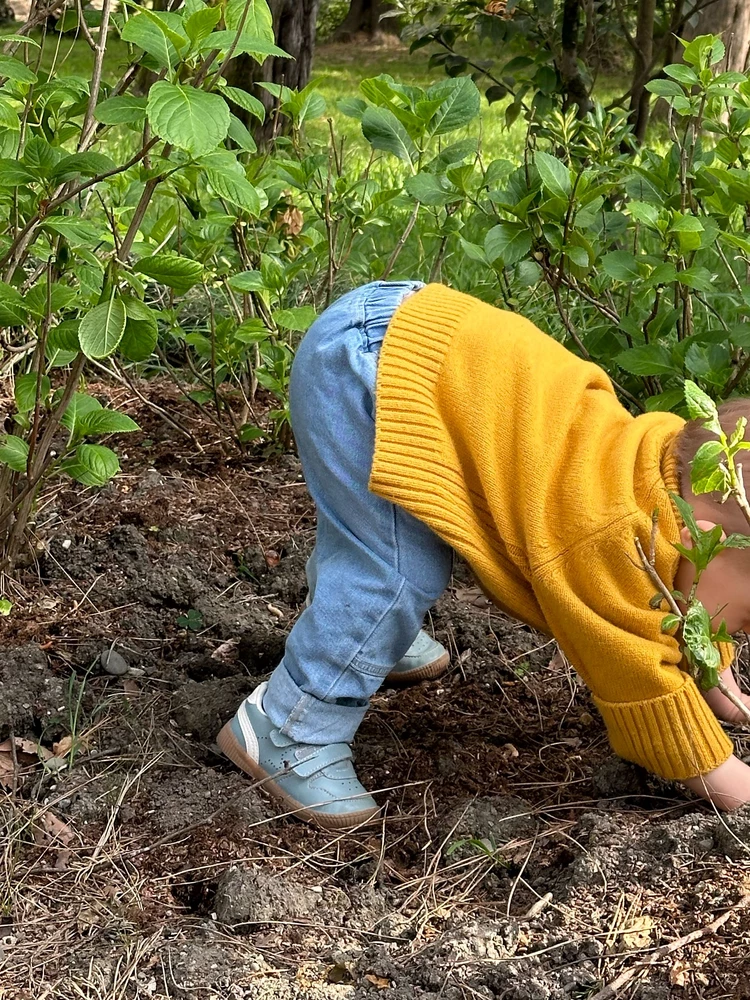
x=595 y=598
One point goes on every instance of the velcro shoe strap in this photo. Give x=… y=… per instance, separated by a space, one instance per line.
x=322 y=757
x=280 y=740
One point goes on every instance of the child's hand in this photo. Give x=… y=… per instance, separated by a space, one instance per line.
x=728 y=787
x=721 y=705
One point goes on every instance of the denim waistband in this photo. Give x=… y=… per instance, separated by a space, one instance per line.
x=380 y=301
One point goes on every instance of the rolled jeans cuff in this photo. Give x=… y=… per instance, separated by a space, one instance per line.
x=307 y=719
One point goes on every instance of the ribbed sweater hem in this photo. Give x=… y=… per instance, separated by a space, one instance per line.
x=676 y=736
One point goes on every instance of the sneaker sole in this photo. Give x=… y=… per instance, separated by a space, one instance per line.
x=231 y=748
x=426 y=673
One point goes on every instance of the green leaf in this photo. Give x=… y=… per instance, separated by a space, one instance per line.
x=300 y=318
x=253 y=45
x=736 y=541
x=665 y=88
x=125 y=110
x=92 y=465
x=235 y=188
x=705 y=474
x=77 y=231
x=460 y=104
x=6 y=607
x=138 y=341
x=105 y=422
x=9 y=117
x=684 y=74
x=254 y=16
x=61 y=296
x=193 y=620
x=431 y=190
x=14 y=69
x=12 y=308
x=245 y=101
x=14 y=452
x=25 y=391
x=352 y=107
x=701 y=407
x=102 y=328
x=201 y=23
x=240 y=135
x=149 y=34
x=670 y=622
x=81 y=164
x=702 y=654
x=187 y=118
x=621 y=265
x=248 y=281
x=554 y=174
x=80 y=404
x=141 y=331
x=508 y=242
x=641 y=211
x=64 y=337
x=40 y=157
x=699 y=278
x=578 y=255
x=9 y=36
x=14 y=174
x=384 y=131
x=649 y=359
x=171 y=269
x=687 y=515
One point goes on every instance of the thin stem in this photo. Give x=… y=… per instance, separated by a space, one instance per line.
x=401 y=243
x=657 y=580
x=90 y=124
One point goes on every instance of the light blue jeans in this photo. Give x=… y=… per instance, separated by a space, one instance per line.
x=375 y=570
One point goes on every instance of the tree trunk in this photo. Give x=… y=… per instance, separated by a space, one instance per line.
x=642 y=64
x=294 y=26
x=731 y=20
x=364 y=16
x=573 y=83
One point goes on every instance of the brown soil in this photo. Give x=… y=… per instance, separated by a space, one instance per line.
x=144 y=865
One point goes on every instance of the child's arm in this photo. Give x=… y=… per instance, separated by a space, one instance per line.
x=722 y=707
x=728 y=786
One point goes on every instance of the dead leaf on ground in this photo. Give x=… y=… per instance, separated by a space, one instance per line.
x=226 y=652
x=638 y=934
x=130 y=688
x=558 y=663
x=339 y=973
x=63 y=746
x=53 y=832
x=17 y=757
x=378 y=981
x=472 y=595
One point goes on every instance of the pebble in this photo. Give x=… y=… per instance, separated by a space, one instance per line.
x=113 y=663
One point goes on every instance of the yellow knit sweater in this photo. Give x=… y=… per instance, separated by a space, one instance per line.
x=519 y=455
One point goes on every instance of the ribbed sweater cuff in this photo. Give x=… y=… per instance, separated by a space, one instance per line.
x=676 y=736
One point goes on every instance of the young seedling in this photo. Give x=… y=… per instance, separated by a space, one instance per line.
x=713 y=470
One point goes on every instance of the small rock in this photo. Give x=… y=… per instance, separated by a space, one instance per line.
x=113 y=663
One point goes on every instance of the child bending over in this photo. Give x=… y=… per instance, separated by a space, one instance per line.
x=428 y=421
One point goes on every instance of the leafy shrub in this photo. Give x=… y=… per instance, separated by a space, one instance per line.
x=146 y=234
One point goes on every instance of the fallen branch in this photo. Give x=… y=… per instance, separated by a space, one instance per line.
x=612 y=989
